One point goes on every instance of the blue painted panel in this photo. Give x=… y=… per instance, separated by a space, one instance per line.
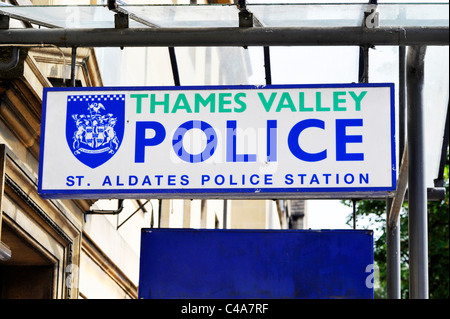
x=187 y=263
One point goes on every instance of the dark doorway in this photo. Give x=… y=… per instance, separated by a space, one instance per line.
x=28 y=274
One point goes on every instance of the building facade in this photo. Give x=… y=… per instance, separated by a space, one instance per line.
x=90 y=248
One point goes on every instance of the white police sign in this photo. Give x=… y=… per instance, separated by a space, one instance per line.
x=315 y=141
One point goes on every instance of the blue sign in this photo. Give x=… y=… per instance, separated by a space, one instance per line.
x=187 y=263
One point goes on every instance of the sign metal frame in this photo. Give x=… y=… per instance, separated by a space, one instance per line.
x=224 y=193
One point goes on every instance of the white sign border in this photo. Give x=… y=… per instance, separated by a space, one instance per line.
x=223 y=193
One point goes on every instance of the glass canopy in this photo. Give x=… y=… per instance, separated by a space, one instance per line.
x=226 y=15
x=288 y=64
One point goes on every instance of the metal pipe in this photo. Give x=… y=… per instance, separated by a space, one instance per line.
x=402 y=184
x=225 y=213
x=433 y=194
x=12 y=63
x=363 y=76
x=439 y=181
x=73 y=67
x=261 y=36
x=159 y=212
x=107 y=212
x=393 y=269
x=418 y=223
x=393 y=206
x=138 y=209
x=267 y=68
x=401 y=99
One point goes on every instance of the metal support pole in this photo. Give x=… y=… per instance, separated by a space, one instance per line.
x=174 y=64
x=363 y=76
x=402 y=99
x=225 y=213
x=439 y=181
x=73 y=67
x=159 y=212
x=267 y=65
x=393 y=270
x=393 y=267
x=418 y=224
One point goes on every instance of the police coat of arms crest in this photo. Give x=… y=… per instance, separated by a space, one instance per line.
x=95 y=126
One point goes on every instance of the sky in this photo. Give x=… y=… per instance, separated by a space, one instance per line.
x=333 y=65
x=327 y=214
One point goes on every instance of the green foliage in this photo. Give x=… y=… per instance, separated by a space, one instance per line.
x=374 y=212
x=438 y=239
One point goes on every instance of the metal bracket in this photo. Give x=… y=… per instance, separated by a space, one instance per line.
x=122 y=17
x=112 y=5
x=105 y=212
x=245 y=16
x=121 y=20
x=245 y=19
x=4 y=21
